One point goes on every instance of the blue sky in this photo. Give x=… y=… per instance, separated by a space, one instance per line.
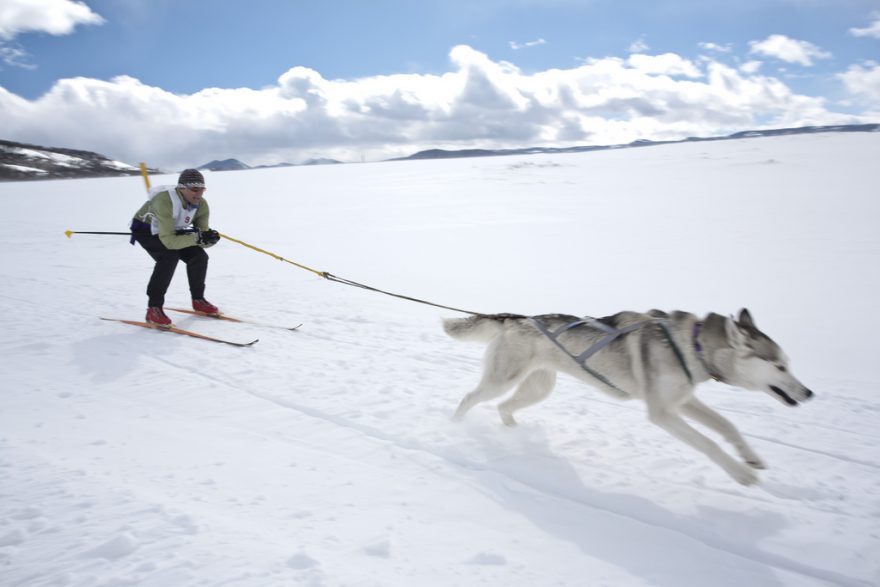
x=638 y=69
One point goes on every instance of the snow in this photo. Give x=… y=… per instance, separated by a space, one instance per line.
x=23 y=168
x=327 y=456
x=57 y=158
x=119 y=165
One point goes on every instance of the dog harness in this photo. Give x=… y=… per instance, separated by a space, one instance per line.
x=698 y=347
x=611 y=334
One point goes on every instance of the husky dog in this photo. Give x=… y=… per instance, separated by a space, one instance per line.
x=656 y=357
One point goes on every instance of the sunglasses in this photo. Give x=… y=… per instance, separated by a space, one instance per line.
x=195 y=189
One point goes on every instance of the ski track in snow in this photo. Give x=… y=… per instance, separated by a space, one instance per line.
x=327 y=456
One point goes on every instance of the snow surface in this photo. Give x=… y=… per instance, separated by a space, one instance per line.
x=327 y=456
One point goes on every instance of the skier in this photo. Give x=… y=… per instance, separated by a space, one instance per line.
x=172 y=226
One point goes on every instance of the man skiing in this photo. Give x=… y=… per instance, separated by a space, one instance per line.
x=172 y=226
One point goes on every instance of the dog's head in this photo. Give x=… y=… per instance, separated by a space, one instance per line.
x=753 y=361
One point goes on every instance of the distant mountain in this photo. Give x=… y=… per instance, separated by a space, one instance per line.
x=803 y=130
x=320 y=161
x=21 y=161
x=445 y=154
x=274 y=165
x=225 y=165
x=235 y=164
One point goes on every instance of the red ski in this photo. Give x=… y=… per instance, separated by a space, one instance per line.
x=231 y=319
x=176 y=330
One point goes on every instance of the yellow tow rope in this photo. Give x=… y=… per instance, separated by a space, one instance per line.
x=325 y=274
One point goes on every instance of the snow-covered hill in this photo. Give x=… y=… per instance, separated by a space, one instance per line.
x=19 y=161
x=327 y=457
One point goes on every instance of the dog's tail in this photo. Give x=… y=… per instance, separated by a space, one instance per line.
x=472 y=328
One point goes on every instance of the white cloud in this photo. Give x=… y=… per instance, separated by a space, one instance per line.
x=516 y=46
x=716 y=47
x=56 y=17
x=863 y=81
x=750 y=67
x=788 y=50
x=872 y=30
x=638 y=46
x=478 y=103
x=14 y=56
x=666 y=64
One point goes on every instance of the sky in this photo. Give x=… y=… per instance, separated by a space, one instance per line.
x=183 y=82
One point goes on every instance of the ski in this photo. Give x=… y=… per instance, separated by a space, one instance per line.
x=176 y=330
x=231 y=319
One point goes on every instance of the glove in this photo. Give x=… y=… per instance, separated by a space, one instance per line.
x=207 y=237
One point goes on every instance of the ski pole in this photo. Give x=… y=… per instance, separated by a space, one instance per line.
x=145 y=175
x=70 y=233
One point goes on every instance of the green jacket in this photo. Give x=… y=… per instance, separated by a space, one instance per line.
x=160 y=208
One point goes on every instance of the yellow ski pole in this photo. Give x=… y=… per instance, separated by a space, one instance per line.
x=145 y=175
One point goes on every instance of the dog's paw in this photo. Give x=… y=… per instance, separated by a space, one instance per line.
x=755 y=462
x=751 y=458
x=743 y=474
x=507 y=418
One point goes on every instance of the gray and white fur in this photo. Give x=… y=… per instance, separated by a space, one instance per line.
x=641 y=364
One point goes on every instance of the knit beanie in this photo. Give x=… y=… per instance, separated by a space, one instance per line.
x=191 y=178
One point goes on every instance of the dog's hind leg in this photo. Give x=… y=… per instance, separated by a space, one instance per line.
x=502 y=369
x=711 y=419
x=489 y=388
x=534 y=388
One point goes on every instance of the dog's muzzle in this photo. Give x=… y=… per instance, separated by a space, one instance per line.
x=787 y=398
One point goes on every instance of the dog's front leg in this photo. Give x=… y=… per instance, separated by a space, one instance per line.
x=708 y=417
x=675 y=425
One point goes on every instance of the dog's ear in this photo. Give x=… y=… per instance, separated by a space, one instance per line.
x=734 y=334
x=745 y=319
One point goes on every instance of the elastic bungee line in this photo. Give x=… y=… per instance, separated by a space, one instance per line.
x=330 y=277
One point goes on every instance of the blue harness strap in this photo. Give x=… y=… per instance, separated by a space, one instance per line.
x=611 y=334
x=664 y=326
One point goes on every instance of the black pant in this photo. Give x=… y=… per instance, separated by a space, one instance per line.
x=196 y=260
